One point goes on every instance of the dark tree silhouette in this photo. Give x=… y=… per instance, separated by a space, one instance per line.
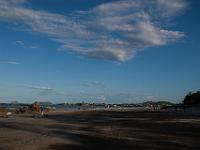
x=192 y=98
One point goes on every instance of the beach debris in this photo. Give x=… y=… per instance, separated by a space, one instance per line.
x=32 y=108
x=36 y=109
x=3 y=110
x=8 y=114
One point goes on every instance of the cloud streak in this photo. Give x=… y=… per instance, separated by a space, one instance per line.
x=10 y=62
x=93 y=84
x=43 y=88
x=23 y=45
x=114 y=31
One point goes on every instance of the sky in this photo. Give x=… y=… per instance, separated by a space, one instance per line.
x=113 y=51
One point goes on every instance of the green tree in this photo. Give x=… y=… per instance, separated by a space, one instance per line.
x=192 y=98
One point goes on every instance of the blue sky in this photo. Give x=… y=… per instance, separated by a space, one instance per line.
x=99 y=50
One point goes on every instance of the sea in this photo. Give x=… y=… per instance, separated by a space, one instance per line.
x=54 y=106
x=67 y=107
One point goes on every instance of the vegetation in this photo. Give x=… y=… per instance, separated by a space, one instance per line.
x=192 y=98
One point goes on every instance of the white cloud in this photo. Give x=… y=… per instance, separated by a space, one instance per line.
x=102 y=98
x=114 y=31
x=40 y=88
x=133 y=97
x=170 y=8
x=20 y=43
x=23 y=45
x=10 y=62
x=34 y=46
x=93 y=84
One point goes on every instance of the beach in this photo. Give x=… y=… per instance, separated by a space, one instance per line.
x=101 y=129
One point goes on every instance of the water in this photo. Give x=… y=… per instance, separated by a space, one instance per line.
x=71 y=107
x=53 y=106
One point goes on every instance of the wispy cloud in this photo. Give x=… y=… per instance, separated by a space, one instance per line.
x=34 y=46
x=114 y=31
x=44 y=88
x=133 y=97
x=23 y=45
x=10 y=62
x=20 y=43
x=93 y=84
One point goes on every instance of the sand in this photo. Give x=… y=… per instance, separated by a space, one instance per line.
x=97 y=130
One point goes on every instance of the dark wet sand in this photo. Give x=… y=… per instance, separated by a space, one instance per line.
x=101 y=130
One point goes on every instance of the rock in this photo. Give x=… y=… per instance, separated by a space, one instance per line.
x=8 y=114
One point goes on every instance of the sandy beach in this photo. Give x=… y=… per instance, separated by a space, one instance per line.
x=89 y=130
